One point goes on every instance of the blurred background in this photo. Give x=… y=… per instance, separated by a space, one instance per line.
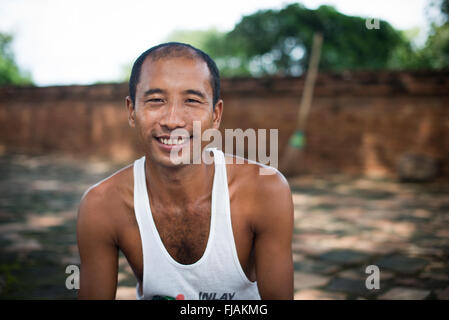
x=369 y=175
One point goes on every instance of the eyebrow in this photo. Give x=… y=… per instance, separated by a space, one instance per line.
x=151 y=91
x=188 y=91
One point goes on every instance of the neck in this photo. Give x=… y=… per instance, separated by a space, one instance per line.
x=181 y=186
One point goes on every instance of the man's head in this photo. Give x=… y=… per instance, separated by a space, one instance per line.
x=173 y=86
x=172 y=50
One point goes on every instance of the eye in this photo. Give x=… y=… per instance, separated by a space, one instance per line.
x=192 y=101
x=155 y=100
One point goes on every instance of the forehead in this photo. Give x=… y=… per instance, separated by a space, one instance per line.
x=175 y=74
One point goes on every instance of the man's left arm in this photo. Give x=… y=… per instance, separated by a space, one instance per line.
x=273 y=229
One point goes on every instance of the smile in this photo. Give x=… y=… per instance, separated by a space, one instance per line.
x=167 y=142
x=173 y=141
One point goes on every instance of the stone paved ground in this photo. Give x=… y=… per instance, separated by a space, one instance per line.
x=342 y=225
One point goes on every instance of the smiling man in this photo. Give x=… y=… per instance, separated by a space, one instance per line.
x=189 y=231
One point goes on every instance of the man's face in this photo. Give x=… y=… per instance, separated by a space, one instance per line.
x=171 y=94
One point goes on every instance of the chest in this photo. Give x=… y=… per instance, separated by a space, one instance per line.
x=184 y=233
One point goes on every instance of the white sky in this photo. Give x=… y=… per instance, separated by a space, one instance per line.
x=84 y=41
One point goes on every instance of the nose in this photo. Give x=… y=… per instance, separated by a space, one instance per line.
x=172 y=117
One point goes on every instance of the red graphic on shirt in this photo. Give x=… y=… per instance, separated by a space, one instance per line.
x=180 y=297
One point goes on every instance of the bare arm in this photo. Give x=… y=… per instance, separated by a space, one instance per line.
x=273 y=238
x=97 y=247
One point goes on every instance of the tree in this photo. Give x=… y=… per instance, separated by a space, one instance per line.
x=10 y=73
x=279 y=42
x=445 y=9
x=435 y=52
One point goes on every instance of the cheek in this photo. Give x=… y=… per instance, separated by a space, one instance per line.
x=206 y=117
x=146 y=116
x=207 y=123
x=145 y=123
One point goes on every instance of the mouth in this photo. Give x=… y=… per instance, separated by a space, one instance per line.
x=169 y=142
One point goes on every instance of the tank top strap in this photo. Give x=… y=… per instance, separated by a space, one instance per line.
x=220 y=188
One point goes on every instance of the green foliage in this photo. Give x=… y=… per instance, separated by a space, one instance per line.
x=9 y=71
x=435 y=54
x=405 y=56
x=445 y=9
x=279 y=41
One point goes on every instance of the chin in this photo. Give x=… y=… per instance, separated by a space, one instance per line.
x=165 y=161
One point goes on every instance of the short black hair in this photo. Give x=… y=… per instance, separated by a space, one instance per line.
x=175 y=49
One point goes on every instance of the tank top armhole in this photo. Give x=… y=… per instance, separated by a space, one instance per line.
x=229 y=222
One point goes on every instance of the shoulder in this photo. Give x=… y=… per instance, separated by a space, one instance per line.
x=102 y=202
x=112 y=188
x=266 y=191
x=257 y=177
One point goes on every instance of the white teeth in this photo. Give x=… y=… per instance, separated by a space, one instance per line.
x=174 y=141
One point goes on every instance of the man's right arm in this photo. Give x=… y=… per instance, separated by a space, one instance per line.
x=97 y=246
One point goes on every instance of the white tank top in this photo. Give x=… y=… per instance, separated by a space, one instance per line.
x=216 y=275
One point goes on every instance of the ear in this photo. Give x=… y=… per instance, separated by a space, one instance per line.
x=217 y=114
x=131 y=112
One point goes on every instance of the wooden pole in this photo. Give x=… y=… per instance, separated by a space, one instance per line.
x=294 y=152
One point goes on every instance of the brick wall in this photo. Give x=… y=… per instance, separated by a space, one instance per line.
x=360 y=123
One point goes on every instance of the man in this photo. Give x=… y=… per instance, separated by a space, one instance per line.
x=189 y=231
